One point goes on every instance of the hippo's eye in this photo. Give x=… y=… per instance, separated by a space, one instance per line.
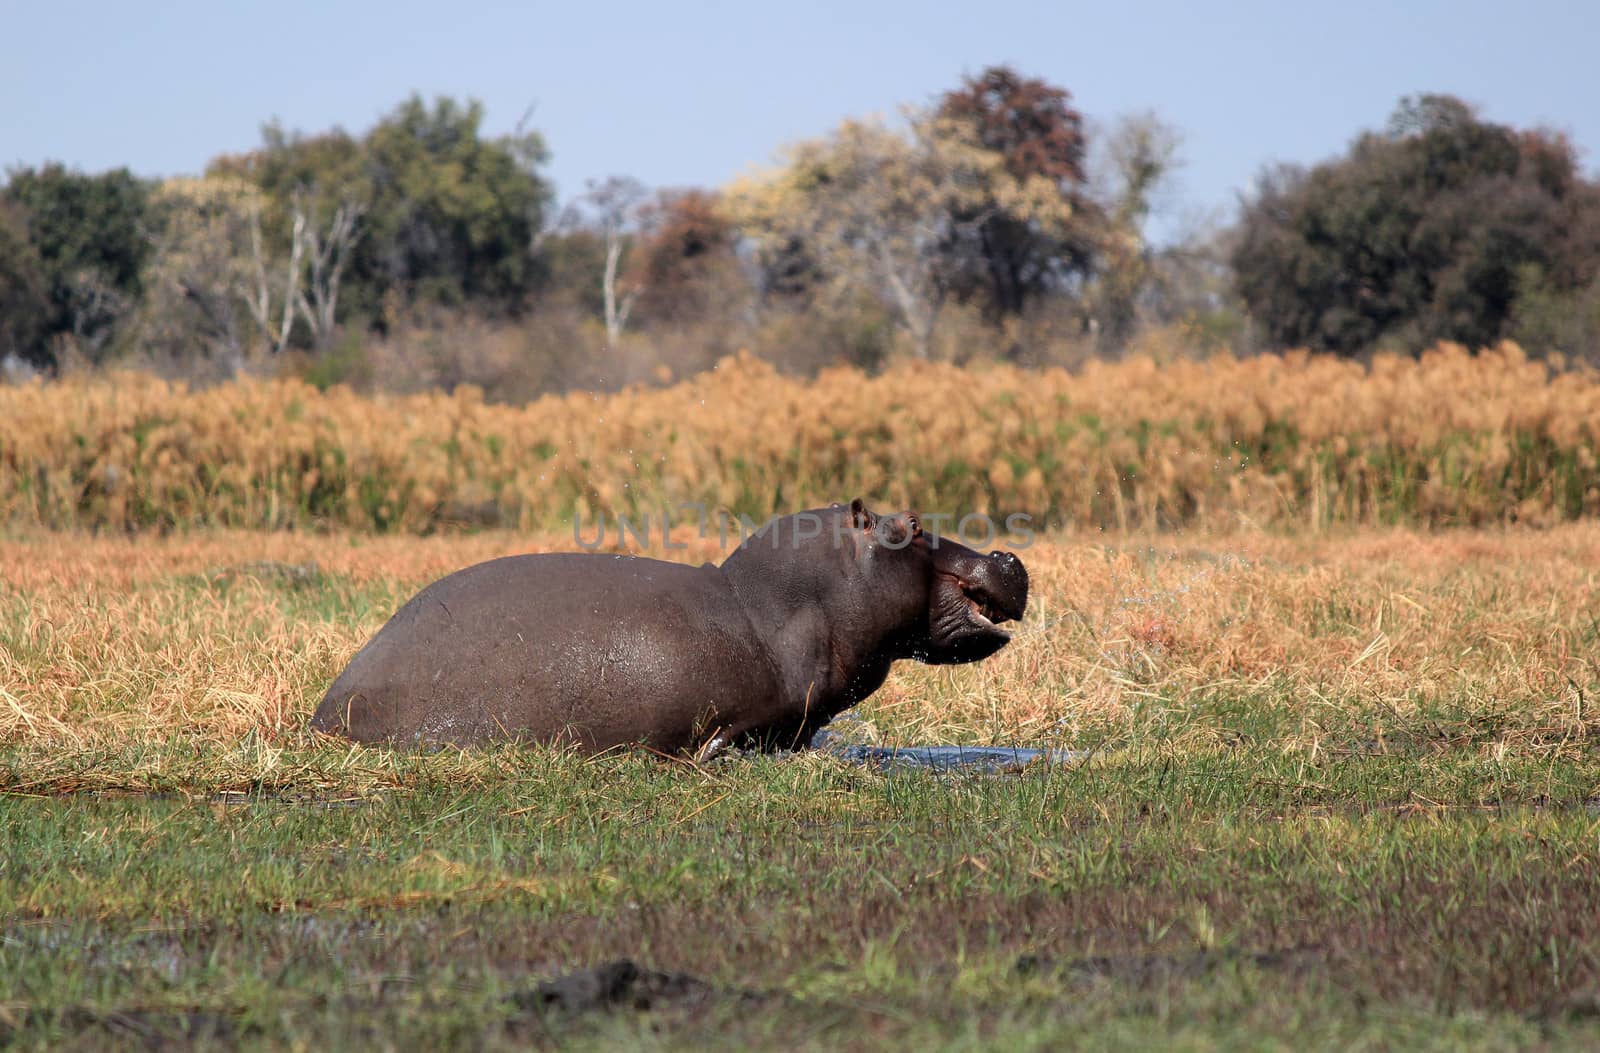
x=891 y=532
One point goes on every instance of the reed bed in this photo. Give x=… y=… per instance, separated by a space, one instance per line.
x=1451 y=438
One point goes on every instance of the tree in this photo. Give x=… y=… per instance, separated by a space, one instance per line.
x=879 y=209
x=88 y=231
x=423 y=209
x=573 y=256
x=1565 y=322
x=315 y=191
x=326 y=244
x=218 y=276
x=205 y=279
x=25 y=308
x=1004 y=258
x=453 y=216
x=1138 y=158
x=685 y=258
x=1423 y=232
x=615 y=204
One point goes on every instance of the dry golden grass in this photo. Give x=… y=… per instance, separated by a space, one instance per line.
x=1484 y=637
x=1449 y=439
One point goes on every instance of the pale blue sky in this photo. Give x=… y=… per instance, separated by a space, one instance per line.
x=684 y=93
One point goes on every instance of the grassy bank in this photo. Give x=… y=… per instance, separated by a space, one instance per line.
x=1450 y=439
x=1341 y=793
x=1154 y=898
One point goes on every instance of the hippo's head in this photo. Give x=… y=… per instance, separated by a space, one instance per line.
x=948 y=601
x=839 y=593
x=879 y=588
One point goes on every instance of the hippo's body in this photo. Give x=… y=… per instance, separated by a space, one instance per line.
x=800 y=623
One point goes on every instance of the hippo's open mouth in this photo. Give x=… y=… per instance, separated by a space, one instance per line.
x=984 y=613
x=972 y=595
x=982 y=608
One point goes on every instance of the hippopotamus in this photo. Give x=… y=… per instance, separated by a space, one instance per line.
x=596 y=651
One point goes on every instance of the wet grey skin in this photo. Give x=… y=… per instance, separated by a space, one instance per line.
x=600 y=651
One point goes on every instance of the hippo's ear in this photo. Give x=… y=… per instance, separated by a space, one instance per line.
x=861 y=516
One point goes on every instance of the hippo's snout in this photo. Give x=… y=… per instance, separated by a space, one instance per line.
x=1009 y=586
x=996 y=585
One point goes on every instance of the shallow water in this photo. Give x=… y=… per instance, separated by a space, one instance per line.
x=988 y=759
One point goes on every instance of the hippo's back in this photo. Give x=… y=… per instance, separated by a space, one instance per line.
x=598 y=649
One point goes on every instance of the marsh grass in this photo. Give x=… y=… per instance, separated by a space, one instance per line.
x=1374 y=641
x=1341 y=792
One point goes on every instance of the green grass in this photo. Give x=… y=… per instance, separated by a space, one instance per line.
x=1147 y=897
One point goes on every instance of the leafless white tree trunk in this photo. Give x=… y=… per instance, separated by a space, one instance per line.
x=261 y=302
x=616 y=200
x=917 y=294
x=616 y=313
x=314 y=296
x=329 y=255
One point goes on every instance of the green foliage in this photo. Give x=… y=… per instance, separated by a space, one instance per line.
x=24 y=304
x=575 y=262
x=974 y=228
x=88 y=233
x=1418 y=234
x=453 y=215
x=345 y=362
x=201 y=282
x=1559 y=322
x=447 y=215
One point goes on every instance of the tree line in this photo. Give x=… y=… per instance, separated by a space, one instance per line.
x=995 y=220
